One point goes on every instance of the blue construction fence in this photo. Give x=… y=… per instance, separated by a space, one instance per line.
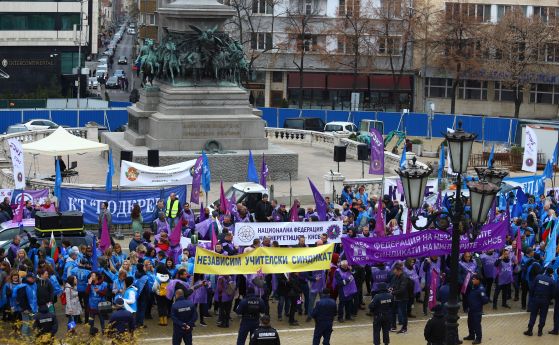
x=414 y=124
x=111 y=118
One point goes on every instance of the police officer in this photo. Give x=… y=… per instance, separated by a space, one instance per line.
x=476 y=298
x=542 y=290
x=45 y=322
x=323 y=314
x=381 y=308
x=122 y=322
x=249 y=308
x=555 y=329
x=183 y=314
x=265 y=334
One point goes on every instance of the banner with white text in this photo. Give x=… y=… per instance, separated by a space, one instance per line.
x=287 y=233
x=139 y=175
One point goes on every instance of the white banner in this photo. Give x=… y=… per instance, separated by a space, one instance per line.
x=530 y=159
x=16 y=151
x=287 y=233
x=139 y=175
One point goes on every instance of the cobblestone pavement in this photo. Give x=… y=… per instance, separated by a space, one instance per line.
x=499 y=327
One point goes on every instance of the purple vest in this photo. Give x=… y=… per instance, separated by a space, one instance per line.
x=318 y=281
x=349 y=288
x=378 y=276
x=189 y=217
x=469 y=266
x=221 y=289
x=505 y=273
x=199 y=295
x=162 y=225
x=488 y=262
x=239 y=219
x=258 y=291
x=412 y=274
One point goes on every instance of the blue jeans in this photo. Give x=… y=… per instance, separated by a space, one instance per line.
x=312 y=299
x=141 y=311
x=403 y=313
x=26 y=323
x=101 y=321
x=283 y=306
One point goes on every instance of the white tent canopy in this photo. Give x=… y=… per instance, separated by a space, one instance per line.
x=61 y=142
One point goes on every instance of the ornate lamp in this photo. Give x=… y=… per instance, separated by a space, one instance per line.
x=482 y=194
x=460 y=146
x=414 y=180
x=492 y=175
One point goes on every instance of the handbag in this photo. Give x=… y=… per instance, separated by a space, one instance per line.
x=105 y=307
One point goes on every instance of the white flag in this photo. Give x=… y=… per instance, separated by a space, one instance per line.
x=530 y=159
x=16 y=152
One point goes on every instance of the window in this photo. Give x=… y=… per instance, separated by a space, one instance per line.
x=505 y=93
x=391 y=8
x=262 y=7
x=68 y=61
x=438 y=87
x=261 y=40
x=67 y=21
x=308 y=7
x=149 y=19
x=472 y=89
x=25 y=21
x=310 y=43
x=277 y=77
x=549 y=53
x=542 y=12
x=389 y=45
x=346 y=45
x=349 y=8
x=544 y=93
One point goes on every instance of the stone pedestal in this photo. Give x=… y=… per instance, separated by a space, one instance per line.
x=333 y=182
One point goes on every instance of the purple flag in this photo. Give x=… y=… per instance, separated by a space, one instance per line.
x=321 y=207
x=492 y=211
x=408 y=223
x=433 y=287
x=105 y=240
x=439 y=201
x=175 y=237
x=294 y=211
x=372 y=250
x=465 y=284
x=223 y=203
x=264 y=172
x=196 y=181
x=377 y=153
x=202 y=213
x=232 y=205
x=379 y=221
x=202 y=227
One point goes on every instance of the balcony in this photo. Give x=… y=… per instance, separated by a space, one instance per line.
x=148 y=6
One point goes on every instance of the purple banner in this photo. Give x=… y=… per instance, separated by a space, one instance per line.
x=35 y=196
x=372 y=250
x=196 y=180
x=377 y=153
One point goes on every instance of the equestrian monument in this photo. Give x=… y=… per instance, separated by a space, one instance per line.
x=192 y=97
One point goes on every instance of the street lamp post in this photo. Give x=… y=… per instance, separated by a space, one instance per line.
x=454 y=219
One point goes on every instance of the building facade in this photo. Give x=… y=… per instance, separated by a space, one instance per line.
x=484 y=91
x=40 y=45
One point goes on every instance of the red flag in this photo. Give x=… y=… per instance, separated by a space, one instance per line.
x=105 y=240
x=379 y=225
x=175 y=237
x=433 y=288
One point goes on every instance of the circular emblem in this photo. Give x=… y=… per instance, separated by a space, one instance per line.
x=245 y=234
x=376 y=164
x=333 y=232
x=19 y=177
x=132 y=174
x=4 y=63
x=529 y=162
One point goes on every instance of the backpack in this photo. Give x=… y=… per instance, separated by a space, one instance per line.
x=63 y=298
x=162 y=289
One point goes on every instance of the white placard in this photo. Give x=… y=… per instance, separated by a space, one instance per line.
x=16 y=152
x=139 y=175
x=530 y=159
x=287 y=233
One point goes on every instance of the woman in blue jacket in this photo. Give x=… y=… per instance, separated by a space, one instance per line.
x=96 y=290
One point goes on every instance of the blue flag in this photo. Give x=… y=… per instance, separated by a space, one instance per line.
x=490 y=160
x=521 y=199
x=548 y=171
x=206 y=173
x=252 y=173
x=441 y=163
x=551 y=245
x=321 y=207
x=110 y=172
x=446 y=202
x=555 y=153
x=57 y=181
x=94 y=261
x=403 y=158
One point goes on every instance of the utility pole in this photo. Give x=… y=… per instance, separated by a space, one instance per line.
x=80 y=56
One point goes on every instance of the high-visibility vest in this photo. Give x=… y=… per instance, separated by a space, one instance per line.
x=172 y=212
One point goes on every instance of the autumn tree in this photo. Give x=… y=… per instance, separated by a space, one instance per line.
x=518 y=43
x=351 y=45
x=459 y=50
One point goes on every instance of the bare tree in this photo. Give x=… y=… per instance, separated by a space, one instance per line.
x=459 y=49
x=517 y=45
x=353 y=47
x=395 y=30
x=303 y=34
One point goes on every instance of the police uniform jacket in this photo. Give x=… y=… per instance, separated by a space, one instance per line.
x=265 y=335
x=543 y=287
x=251 y=307
x=183 y=312
x=46 y=322
x=382 y=304
x=477 y=297
x=325 y=310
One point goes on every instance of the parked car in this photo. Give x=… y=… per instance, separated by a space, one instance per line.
x=248 y=193
x=78 y=238
x=92 y=82
x=122 y=60
x=103 y=61
x=17 y=128
x=119 y=73
x=109 y=52
x=39 y=124
x=9 y=229
x=305 y=123
x=102 y=67
x=112 y=83
x=341 y=127
x=131 y=31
